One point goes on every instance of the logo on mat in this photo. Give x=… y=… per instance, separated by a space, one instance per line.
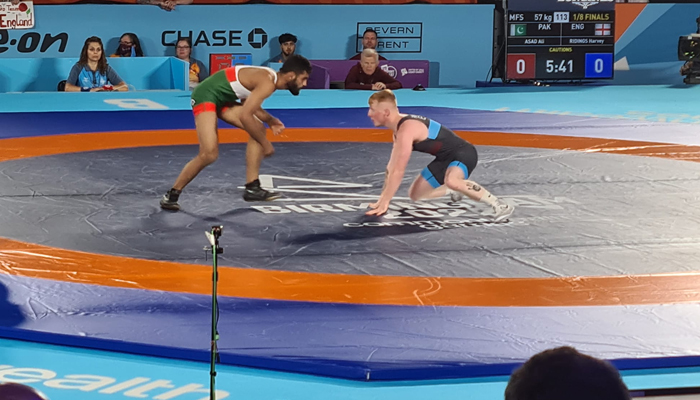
x=315 y=196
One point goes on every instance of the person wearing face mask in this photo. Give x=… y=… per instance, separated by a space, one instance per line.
x=183 y=51
x=129 y=46
x=366 y=76
x=92 y=73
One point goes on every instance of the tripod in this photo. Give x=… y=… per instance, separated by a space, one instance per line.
x=213 y=238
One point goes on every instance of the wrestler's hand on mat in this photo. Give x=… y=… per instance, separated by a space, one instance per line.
x=277 y=126
x=377 y=208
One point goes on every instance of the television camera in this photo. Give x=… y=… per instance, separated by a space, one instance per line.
x=689 y=51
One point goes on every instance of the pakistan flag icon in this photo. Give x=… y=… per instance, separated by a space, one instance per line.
x=518 y=30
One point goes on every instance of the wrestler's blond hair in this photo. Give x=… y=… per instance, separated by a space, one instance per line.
x=383 y=96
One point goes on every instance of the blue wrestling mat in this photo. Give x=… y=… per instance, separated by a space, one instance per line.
x=601 y=253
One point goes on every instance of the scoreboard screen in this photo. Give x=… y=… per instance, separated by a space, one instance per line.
x=560 y=39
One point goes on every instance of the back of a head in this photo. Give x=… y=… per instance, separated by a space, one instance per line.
x=297 y=64
x=17 y=391
x=565 y=374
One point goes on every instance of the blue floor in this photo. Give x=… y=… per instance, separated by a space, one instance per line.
x=77 y=374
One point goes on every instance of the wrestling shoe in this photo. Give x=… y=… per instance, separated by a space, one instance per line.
x=456 y=196
x=253 y=192
x=169 y=200
x=502 y=210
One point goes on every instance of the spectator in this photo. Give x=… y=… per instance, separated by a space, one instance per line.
x=18 y=391
x=92 y=73
x=365 y=75
x=183 y=50
x=369 y=41
x=288 y=45
x=564 y=373
x=129 y=46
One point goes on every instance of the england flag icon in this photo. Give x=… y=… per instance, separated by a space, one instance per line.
x=602 y=29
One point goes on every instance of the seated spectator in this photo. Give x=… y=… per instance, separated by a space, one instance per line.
x=129 y=46
x=366 y=76
x=369 y=41
x=288 y=45
x=183 y=51
x=19 y=391
x=564 y=373
x=92 y=73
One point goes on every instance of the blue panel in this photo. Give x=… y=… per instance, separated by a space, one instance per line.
x=653 y=36
x=213 y=32
x=433 y=129
x=43 y=74
x=463 y=167
x=599 y=65
x=428 y=176
x=51 y=365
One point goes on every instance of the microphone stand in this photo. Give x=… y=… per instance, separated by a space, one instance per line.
x=213 y=238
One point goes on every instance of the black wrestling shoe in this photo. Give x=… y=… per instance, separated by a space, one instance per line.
x=253 y=192
x=169 y=200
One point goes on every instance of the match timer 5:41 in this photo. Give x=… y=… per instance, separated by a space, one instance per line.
x=559 y=42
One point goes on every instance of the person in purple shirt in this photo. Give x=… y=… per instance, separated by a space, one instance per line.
x=366 y=76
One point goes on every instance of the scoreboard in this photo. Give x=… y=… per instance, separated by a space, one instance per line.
x=560 y=39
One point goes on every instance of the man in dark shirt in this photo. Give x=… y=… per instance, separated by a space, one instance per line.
x=366 y=76
x=288 y=46
x=369 y=41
